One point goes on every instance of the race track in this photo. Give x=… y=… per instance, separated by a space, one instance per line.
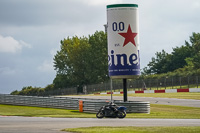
x=13 y=124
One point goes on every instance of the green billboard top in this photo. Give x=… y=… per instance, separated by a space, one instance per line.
x=122 y=5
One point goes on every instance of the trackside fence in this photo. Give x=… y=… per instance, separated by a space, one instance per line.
x=163 y=83
x=50 y=102
x=147 y=84
x=83 y=105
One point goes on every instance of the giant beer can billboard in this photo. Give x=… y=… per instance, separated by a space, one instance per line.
x=123 y=40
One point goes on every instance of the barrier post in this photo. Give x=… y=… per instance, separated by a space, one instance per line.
x=125 y=89
x=80 y=106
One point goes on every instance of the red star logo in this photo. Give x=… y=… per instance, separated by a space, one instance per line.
x=129 y=36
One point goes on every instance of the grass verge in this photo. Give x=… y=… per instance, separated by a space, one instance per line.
x=157 y=111
x=135 y=130
x=184 y=95
x=169 y=111
x=180 y=95
x=11 y=110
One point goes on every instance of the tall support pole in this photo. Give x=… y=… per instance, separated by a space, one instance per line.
x=111 y=88
x=125 y=89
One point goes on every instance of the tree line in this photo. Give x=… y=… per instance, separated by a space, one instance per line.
x=183 y=61
x=83 y=61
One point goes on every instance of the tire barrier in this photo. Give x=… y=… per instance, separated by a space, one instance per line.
x=132 y=106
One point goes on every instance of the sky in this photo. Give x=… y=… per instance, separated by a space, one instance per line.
x=31 y=31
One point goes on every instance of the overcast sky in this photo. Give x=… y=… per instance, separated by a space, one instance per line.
x=31 y=30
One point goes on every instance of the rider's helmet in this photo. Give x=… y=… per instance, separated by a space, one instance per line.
x=111 y=103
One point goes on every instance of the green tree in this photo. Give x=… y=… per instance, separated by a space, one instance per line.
x=16 y=92
x=195 y=42
x=98 y=58
x=81 y=61
x=194 y=60
x=70 y=62
x=165 y=62
x=157 y=65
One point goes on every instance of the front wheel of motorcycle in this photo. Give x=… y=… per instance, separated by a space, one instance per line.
x=100 y=114
x=121 y=114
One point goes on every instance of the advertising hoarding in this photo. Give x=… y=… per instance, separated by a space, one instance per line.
x=123 y=40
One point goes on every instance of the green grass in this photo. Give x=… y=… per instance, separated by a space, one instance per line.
x=169 y=111
x=180 y=95
x=183 y=95
x=153 y=88
x=168 y=87
x=157 y=111
x=135 y=130
x=11 y=110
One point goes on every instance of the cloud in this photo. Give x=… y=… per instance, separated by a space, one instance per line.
x=7 y=71
x=10 y=45
x=37 y=12
x=47 y=65
x=102 y=2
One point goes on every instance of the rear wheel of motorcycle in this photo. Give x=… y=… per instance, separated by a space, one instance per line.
x=121 y=114
x=100 y=114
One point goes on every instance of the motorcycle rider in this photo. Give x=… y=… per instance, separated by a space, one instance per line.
x=112 y=106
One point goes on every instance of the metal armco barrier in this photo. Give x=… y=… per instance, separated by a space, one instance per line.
x=49 y=102
x=83 y=105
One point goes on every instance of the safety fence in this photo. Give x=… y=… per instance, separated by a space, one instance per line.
x=83 y=105
x=146 y=84
x=50 y=102
x=132 y=85
x=194 y=90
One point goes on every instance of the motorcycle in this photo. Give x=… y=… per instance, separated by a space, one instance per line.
x=111 y=111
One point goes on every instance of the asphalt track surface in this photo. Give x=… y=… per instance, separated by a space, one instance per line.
x=152 y=100
x=15 y=124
